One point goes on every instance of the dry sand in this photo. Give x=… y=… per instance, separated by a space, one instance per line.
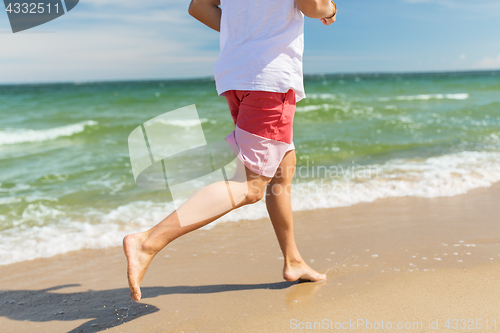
x=412 y=261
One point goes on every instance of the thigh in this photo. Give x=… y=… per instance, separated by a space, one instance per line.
x=286 y=169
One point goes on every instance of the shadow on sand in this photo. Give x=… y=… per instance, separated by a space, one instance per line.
x=104 y=308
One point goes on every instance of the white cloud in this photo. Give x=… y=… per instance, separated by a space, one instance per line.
x=107 y=44
x=477 y=5
x=108 y=54
x=171 y=16
x=489 y=63
x=134 y=3
x=448 y=3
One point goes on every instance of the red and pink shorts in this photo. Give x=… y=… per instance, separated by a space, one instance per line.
x=264 y=128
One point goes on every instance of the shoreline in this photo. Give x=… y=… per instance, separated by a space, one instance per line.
x=228 y=278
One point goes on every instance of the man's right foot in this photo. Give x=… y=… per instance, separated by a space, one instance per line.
x=299 y=270
x=137 y=263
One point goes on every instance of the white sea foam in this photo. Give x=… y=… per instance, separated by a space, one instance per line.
x=106 y=183
x=457 y=96
x=182 y=122
x=425 y=97
x=64 y=232
x=446 y=175
x=6 y=201
x=309 y=108
x=322 y=96
x=59 y=229
x=14 y=136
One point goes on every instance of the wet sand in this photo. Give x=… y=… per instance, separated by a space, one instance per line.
x=396 y=260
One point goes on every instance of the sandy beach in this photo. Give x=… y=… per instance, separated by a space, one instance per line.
x=413 y=262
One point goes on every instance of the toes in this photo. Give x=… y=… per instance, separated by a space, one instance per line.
x=135 y=296
x=135 y=292
x=320 y=277
x=312 y=278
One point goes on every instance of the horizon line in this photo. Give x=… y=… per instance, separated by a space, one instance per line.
x=211 y=78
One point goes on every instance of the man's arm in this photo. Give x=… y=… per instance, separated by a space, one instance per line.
x=320 y=9
x=207 y=12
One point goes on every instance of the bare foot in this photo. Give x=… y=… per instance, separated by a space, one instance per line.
x=299 y=270
x=137 y=263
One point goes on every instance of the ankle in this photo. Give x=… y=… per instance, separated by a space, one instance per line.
x=293 y=261
x=146 y=245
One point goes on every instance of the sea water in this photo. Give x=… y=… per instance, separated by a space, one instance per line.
x=66 y=181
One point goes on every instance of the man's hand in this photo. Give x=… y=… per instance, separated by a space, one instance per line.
x=328 y=21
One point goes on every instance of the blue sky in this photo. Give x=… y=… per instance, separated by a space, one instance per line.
x=124 y=39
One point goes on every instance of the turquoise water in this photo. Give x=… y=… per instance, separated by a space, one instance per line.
x=66 y=182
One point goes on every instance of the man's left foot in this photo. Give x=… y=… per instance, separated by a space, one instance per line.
x=137 y=263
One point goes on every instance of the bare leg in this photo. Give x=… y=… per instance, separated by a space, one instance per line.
x=206 y=206
x=280 y=210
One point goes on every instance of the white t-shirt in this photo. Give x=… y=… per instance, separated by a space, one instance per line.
x=261 y=43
